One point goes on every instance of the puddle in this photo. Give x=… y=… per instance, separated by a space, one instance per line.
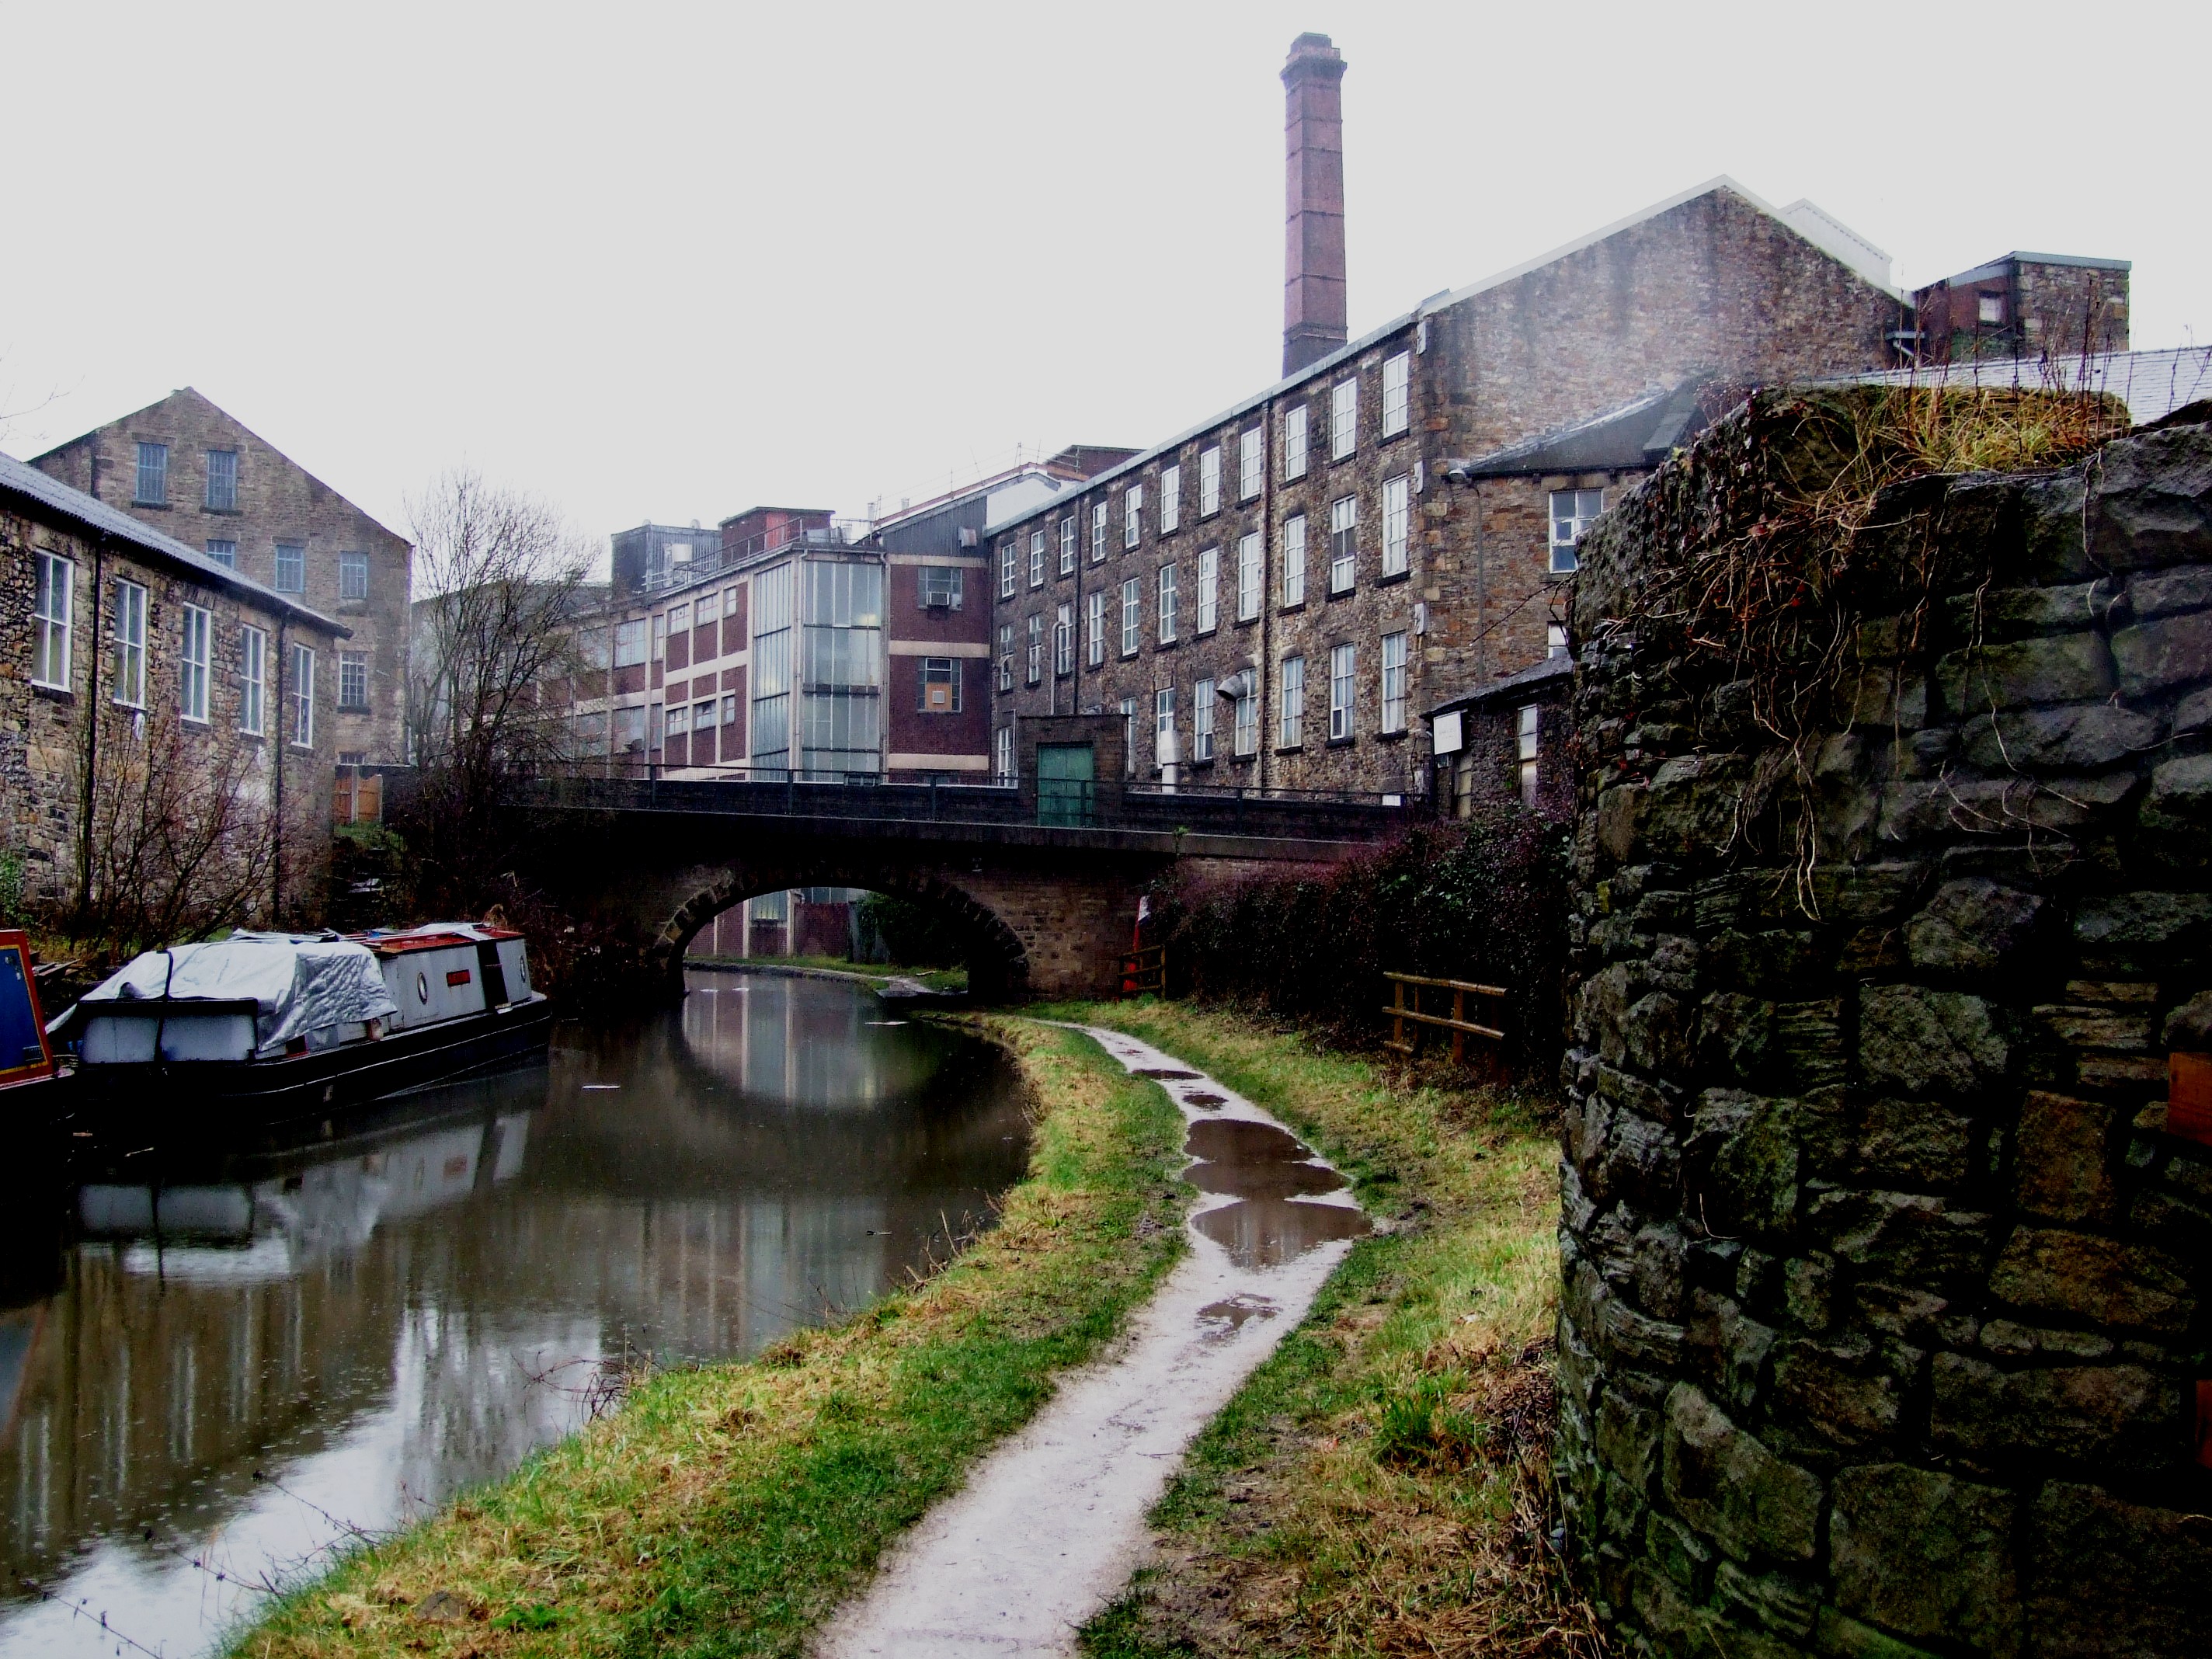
x=1236 y=1310
x=1166 y=1074
x=1267 y=1170
x=1205 y=1102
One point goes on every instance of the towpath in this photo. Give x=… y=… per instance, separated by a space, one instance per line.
x=1051 y=1523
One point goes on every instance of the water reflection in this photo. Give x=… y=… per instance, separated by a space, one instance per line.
x=1267 y=1171
x=251 y=1350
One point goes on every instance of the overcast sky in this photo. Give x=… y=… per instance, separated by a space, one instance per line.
x=671 y=261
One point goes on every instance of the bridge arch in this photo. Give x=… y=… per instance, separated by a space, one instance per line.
x=997 y=959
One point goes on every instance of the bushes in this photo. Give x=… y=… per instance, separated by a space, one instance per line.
x=1484 y=901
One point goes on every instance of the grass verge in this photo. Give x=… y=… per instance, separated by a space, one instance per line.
x=726 y=1509
x=1382 y=1484
x=934 y=979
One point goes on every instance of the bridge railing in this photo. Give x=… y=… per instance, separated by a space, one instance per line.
x=1110 y=804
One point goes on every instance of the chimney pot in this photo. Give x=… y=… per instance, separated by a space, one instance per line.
x=1313 y=312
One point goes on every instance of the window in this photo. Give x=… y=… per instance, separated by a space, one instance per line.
x=1209 y=482
x=1167 y=608
x=1132 y=515
x=130 y=645
x=291 y=568
x=1209 y=583
x=940 y=587
x=353 y=679
x=706 y=610
x=1251 y=576
x=1294 y=443
x=1251 y=461
x=1555 y=639
x=629 y=643
x=1097 y=533
x=223 y=553
x=1037 y=648
x=629 y=726
x=192 y=663
x=252 y=680
x=1393 y=682
x=152 y=488
x=1397 y=399
x=592 y=647
x=1037 y=557
x=1129 y=735
x=660 y=639
x=1573 y=510
x=1343 y=543
x=1247 y=708
x=1094 y=627
x=679 y=720
x=301 y=690
x=1201 y=721
x=1002 y=754
x=1343 y=418
x=222 y=480
x=1340 y=667
x=1163 y=732
x=776 y=622
x=1528 y=735
x=1294 y=702
x=1005 y=570
x=1132 y=601
x=940 y=685
x=352 y=575
x=1170 y=498
x=1005 y=656
x=1063 y=638
x=1992 y=308
x=1067 y=547
x=1294 y=559
x=1397 y=514
x=679 y=618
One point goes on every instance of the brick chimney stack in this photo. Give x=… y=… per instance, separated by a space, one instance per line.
x=1313 y=274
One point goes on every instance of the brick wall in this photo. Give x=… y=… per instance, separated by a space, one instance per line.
x=1886 y=1250
x=277 y=500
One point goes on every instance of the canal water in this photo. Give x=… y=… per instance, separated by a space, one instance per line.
x=231 y=1361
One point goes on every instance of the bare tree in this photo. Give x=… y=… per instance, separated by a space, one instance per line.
x=498 y=577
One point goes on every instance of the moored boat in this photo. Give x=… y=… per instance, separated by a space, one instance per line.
x=263 y=1027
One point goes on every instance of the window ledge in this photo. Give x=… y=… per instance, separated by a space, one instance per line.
x=1398 y=736
x=1207 y=633
x=1404 y=575
x=150 y=507
x=57 y=693
x=1248 y=622
x=1292 y=610
x=1167 y=645
x=1343 y=593
x=1242 y=760
x=1292 y=749
x=222 y=512
x=354 y=708
x=1342 y=742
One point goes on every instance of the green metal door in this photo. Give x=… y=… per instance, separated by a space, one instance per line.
x=1065 y=783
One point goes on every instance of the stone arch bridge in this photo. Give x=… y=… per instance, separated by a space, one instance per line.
x=1046 y=907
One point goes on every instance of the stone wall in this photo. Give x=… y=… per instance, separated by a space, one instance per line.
x=1885 y=1263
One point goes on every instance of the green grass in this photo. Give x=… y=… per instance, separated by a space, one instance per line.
x=1381 y=1484
x=726 y=1509
x=876 y=973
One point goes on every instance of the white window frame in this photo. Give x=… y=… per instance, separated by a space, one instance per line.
x=1129 y=736
x=1528 y=727
x=53 y=611
x=1209 y=587
x=277 y=563
x=1397 y=524
x=1002 y=755
x=1063 y=638
x=1294 y=561
x=629 y=644
x=300 y=686
x=1566 y=556
x=1170 y=499
x=1094 y=627
x=1171 y=606
x=1295 y=420
x=1005 y=656
x=195 y=663
x=1037 y=557
x=1201 y=721
x=1132 y=515
x=1394 y=681
x=1164 y=752
x=1251 y=462
x=1209 y=481
x=1397 y=393
x=1344 y=418
x=129 y=632
x=1244 y=729
x=356 y=661
x=1067 y=545
x=1555 y=640
x=1098 y=532
x=1343 y=544
x=1251 y=575
x=1343 y=691
x=252 y=680
x=1008 y=575
x=1133 y=615
x=1034 y=672
x=1293 y=721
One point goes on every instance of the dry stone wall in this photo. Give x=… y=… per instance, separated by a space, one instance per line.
x=1887 y=1193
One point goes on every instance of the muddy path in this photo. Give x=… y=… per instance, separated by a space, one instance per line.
x=1051 y=1523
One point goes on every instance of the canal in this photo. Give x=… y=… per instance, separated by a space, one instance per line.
x=234 y=1360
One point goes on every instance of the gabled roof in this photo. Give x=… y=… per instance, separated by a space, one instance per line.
x=20 y=479
x=1641 y=434
x=1869 y=263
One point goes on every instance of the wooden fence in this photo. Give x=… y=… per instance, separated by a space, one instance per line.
x=1405 y=1010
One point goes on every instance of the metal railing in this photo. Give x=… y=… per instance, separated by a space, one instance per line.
x=838 y=533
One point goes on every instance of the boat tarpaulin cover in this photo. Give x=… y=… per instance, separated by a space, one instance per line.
x=299 y=983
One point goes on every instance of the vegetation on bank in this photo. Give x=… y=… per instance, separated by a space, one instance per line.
x=727 y=1508
x=1382 y=1484
x=875 y=973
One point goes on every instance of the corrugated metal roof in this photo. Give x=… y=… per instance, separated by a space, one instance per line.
x=2153 y=384
x=20 y=479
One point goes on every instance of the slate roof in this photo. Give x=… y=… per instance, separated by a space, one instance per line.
x=1637 y=435
x=1551 y=669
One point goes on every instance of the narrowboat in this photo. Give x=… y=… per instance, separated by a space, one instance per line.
x=26 y=1055
x=263 y=1027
